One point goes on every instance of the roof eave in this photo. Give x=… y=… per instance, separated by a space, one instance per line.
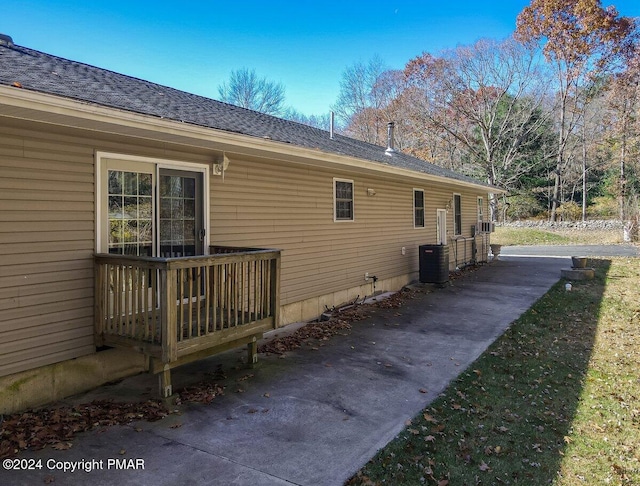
x=40 y=107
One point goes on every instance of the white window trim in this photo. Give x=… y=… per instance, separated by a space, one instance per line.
x=424 y=209
x=480 y=215
x=159 y=164
x=454 y=214
x=353 y=201
x=441 y=230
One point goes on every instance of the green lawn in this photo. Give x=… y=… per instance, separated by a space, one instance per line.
x=555 y=400
x=533 y=236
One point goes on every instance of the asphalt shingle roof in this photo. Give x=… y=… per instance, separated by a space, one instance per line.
x=37 y=71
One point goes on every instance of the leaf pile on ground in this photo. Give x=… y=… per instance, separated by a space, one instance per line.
x=56 y=427
x=205 y=390
x=314 y=332
x=555 y=400
x=398 y=299
x=339 y=323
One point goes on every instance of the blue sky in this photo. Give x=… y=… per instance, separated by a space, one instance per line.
x=306 y=45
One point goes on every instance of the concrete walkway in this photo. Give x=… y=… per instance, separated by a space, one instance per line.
x=316 y=416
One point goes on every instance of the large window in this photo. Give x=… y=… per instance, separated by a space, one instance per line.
x=457 y=214
x=418 y=208
x=343 y=200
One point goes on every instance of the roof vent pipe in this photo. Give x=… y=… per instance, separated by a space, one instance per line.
x=331 y=125
x=390 y=150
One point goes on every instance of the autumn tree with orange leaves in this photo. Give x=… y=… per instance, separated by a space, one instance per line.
x=582 y=40
x=488 y=98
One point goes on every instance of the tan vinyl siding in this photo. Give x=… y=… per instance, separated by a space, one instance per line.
x=47 y=238
x=46 y=243
x=290 y=207
x=47 y=230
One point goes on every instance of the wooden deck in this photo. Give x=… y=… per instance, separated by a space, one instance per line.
x=176 y=310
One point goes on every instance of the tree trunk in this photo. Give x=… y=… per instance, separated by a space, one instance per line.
x=623 y=179
x=555 y=196
x=584 y=178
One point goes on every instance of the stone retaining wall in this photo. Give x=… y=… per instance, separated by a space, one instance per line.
x=610 y=224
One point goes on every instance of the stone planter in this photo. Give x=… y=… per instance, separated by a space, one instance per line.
x=495 y=250
x=578 y=262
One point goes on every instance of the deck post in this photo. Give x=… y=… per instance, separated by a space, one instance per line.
x=275 y=290
x=169 y=316
x=165 y=382
x=252 y=352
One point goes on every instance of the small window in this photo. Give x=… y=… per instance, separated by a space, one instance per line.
x=343 y=200
x=480 y=209
x=457 y=214
x=418 y=208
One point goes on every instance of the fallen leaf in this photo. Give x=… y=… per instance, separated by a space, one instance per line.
x=422 y=390
x=175 y=426
x=62 y=446
x=266 y=395
x=122 y=452
x=484 y=466
x=430 y=438
x=48 y=479
x=429 y=418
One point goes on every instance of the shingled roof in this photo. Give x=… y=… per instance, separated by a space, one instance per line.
x=33 y=70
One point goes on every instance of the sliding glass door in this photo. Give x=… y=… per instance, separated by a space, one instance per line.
x=151 y=211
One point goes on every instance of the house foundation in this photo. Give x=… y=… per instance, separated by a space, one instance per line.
x=47 y=384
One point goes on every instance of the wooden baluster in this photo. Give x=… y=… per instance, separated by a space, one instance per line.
x=207 y=298
x=155 y=324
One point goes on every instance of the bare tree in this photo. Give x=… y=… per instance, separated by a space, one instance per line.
x=624 y=122
x=316 y=121
x=488 y=97
x=363 y=93
x=247 y=90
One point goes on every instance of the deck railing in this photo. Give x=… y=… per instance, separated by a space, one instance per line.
x=169 y=308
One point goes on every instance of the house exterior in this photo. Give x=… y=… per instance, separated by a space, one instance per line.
x=95 y=162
